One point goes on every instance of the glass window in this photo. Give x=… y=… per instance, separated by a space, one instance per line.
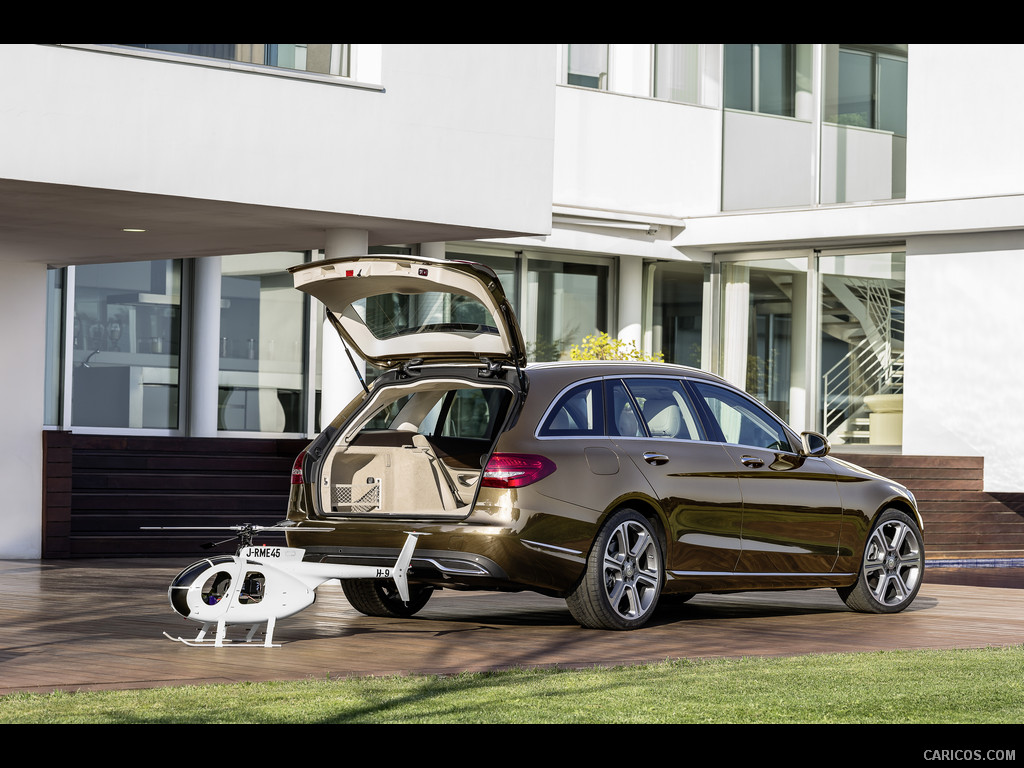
x=870 y=88
x=505 y=267
x=390 y=315
x=664 y=408
x=322 y=58
x=761 y=77
x=676 y=72
x=762 y=313
x=564 y=302
x=677 y=302
x=588 y=65
x=262 y=333
x=892 y=94
x=473 y=412
x=127 y=336
x=54 y=346
x=557 y=303
x=578 y=413
x=741 y=421
x=856 y=89
x=622 y=412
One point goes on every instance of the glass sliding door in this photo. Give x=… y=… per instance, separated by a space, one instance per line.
x=505 y=267
x=126 y=340
x=862 y=303
x=676 y=308
x=54 y=386
x=564 y=302
x=763 y=311
x=262 y=347
x=557 y=301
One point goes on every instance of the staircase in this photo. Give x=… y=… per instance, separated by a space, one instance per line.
x=860 y=312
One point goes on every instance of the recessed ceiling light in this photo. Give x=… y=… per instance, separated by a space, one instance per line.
x=132 y=229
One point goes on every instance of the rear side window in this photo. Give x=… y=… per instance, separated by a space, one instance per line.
x=578 y=413
x=665 y=408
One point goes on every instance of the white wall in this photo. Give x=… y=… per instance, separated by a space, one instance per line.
x=22 y=346
x=965 y=351
x=856 y=164
x=964 y=115
x=625 y=153
x=767 y=161
x=459 y=133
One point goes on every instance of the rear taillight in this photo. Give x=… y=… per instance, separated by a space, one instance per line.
x=514 y=470
x=297 y=477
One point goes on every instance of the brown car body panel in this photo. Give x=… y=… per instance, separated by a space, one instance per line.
x=714 y=537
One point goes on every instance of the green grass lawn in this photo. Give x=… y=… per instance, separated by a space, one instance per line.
x=959 y=686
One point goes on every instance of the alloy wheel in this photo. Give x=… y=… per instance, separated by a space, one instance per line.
x=893 y=562
x=632 y=570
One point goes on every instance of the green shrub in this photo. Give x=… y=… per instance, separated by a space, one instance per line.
x=603 y=347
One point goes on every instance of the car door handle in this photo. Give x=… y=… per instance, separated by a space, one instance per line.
x=655 y=458
x=752 y=461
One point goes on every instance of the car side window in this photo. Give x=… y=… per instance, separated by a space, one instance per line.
x=623 y=419
x=578 y=413
x=741 y=421
x=665 y=408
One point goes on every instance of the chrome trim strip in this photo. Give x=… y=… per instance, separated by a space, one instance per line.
x=542 y=545
x=475 y=570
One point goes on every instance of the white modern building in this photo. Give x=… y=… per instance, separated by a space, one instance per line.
x=822 y=224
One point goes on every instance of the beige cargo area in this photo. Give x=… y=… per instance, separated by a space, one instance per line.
x=390 y=468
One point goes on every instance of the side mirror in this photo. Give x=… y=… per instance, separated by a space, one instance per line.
x=814 y=444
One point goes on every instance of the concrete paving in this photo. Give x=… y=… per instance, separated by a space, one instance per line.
x=96 y=624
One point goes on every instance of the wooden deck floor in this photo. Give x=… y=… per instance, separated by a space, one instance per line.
x=90 y=624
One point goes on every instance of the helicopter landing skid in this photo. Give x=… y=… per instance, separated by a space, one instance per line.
x=220 y=641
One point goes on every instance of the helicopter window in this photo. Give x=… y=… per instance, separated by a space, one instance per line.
x=252 y=588
x=216 y=587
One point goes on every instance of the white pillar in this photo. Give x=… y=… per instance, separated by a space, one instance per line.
x=735 y=319
x=339 y=382
x=798 y=356
x=205 y=361
x=433 y=250
x=631 y=294
x=22 y=349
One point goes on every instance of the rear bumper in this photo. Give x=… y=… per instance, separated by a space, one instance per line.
x=458 y=557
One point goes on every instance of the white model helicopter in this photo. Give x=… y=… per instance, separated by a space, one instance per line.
x=261 y=584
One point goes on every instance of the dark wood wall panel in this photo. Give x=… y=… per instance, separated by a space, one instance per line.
x=116 y=485
x=99 y=490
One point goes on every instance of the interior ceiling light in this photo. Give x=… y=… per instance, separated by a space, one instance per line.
x=132 y=229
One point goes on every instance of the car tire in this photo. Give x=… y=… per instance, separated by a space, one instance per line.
x=381 y=598
x=892 y=568
x=624 y=575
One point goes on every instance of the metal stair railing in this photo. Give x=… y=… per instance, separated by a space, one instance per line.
x=871 y=367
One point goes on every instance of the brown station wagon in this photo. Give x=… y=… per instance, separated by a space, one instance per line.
x=607 y=484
